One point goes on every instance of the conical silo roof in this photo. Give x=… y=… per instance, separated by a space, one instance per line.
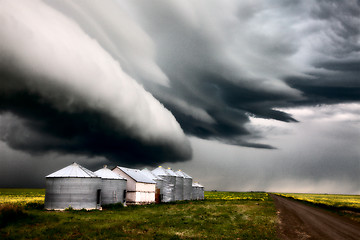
x=183 y=174
x=150 y=175
x=186 y=175
x=136 y=174
x=73 y=170
x=179 y=173
x=106 y=173
x=160 y=171
x=196 y=184
x=171 y=172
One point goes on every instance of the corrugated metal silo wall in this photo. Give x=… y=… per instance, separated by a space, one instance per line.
x=198 y=193
x=113 y=191
x=159 y=185
x=201 y=193
x=78 y=193
x=179 y=188
x=193 y=193
x=187 y=188
x=169 y=188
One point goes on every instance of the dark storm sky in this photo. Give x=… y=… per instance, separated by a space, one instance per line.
x=147 y=82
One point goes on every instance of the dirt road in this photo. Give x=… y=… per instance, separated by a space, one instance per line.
x=299 y=221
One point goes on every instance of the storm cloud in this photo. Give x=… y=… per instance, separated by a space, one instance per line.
x=130 y=80
x=60 y=91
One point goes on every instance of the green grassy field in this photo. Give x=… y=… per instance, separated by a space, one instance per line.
x=222 y=215
x=335 y=200
x=346 y=205
x=22 y=196
x=242 y=216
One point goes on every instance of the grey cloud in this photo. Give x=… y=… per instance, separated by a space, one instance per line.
x=69 y=95
x=120 y=35
x=20 y=169
x=333 y=76
x=318 y=154
x=211 y=64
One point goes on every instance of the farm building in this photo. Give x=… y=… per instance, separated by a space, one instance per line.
x=73 y=186
x=79 y=188
x=168 y=184
x=179 y=185
x=159 y=184
x=140 y=189
x=197 y=192
x=113 y=187
x=201 y=192
x=187 y=189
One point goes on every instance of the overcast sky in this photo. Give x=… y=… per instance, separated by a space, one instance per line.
x=243 y=95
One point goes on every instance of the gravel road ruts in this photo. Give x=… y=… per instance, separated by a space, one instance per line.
x=300 y=221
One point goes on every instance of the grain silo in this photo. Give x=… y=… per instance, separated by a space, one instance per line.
x=179 y=185
x=201 y=192
x=194 y=192
x=73 y=186
x=168 y=184
x=187 y=189
x=197 y=191
x=159 y=184
x=113 y=187
x=140 y=189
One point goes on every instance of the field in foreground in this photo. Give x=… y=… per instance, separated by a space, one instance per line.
x=221 y=215
x=225 y=215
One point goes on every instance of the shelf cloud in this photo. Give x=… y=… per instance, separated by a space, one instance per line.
x=61 y=91
x=131 y=80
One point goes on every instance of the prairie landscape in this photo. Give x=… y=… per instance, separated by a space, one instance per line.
x=244 y=215
x=345 y=205
x=241 y=95
x=222 y=215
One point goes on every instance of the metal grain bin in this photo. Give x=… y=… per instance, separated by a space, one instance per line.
x=73 y=186
x=113 y=187
x=179 y=185
x=187 y=189
x=168 y=184
x=195 y=192
x=159 y=184
x=201 y=192
x=179 y=182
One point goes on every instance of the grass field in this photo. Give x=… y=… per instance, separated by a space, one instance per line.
x=220 y=216
x=257 y=196
x=22 y=196
x=347 y=205
x=334 y=200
